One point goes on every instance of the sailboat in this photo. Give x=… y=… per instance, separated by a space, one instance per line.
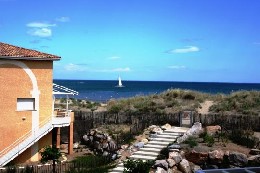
x=120 y=82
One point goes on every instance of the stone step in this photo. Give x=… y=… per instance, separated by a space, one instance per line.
x=171 y=134
x=117 y=169
x=167 y=135
x=133 y=157
x=147 y=153
x=177 y=130
x=169 y=140
x=158 y=143
x=150 y=149
x=154 y=146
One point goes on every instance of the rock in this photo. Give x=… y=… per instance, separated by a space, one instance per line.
x=145 y=141
x=124 y=146
x=212 y=130
x=112 y=145
x=76 y=145
x=237 y=159
x=160 y=170
x=174 y=146
x=196 y=129
x=105 y=153
x=196 y=168
x=175 y=156
x=114 y=157
x=166 y=126
x=139 y=144
x=254 y=152
x=174 y=150
x=64 y=158
x=184 y=166
x=254 y=160
x=216 y=156
x=197 y=156
x=171 y=162
x=161 y=163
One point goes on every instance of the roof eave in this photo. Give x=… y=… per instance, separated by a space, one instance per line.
x=31 y=58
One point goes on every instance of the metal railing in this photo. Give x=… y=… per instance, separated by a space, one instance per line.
x=25 y=141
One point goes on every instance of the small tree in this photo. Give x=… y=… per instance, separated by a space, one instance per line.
x=49 y=153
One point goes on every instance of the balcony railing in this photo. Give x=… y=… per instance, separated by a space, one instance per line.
x=62 y=117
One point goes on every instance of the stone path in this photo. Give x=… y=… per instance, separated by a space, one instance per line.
x=151 y=150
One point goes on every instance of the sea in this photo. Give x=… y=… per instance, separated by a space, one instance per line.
x=104 y=90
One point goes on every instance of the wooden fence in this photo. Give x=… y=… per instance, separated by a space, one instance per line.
x=84 y=121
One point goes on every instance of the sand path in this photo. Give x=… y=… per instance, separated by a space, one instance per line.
x=205 y=107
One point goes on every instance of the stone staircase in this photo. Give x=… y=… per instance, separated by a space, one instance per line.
x=151 y=150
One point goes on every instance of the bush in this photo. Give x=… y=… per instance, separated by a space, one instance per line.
x=191 y=141
x=164 y=154
x=137 y=166
x=209 y=139
x=90 y=164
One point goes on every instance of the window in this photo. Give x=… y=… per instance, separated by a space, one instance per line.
x=25 y=104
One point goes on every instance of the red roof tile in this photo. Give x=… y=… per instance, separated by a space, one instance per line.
x=8 y=51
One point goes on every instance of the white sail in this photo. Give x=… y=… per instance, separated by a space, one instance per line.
x=120 y=82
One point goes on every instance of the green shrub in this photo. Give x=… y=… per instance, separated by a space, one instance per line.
x=191 y=141
x=49 y=154
x=137 y=166
x=209 y=139
x=164 y=154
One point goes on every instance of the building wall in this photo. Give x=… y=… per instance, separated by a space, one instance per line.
x=15 y=83
x=25 y=157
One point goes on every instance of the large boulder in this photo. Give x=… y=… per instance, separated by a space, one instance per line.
x=237 y=159
x=212 y=130
x=196 y=129
x=161 y=170
x=162 y=164
x=198 y=155
x=184 y=166
x=166 y=126
x=139 y=144
x=175 y=156
x=171 y=163
x=174 y=146
x=216 y=156
x=254 y=160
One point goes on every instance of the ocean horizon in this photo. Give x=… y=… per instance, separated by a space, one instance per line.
x=104 y=90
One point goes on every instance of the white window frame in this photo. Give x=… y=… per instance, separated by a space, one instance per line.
x=25 y=104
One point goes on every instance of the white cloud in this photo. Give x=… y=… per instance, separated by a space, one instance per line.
x=39 y=25
x=63 y=19
x=40 y=32
x=176 y=67
x=40 y=29
x=121 y=69
x=187 y=49
x=127 y=69
x=74 y=67
x=114 y=57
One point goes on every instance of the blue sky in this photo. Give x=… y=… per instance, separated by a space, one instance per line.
x=155 y=40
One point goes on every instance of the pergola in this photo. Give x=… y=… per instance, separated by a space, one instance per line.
x=61 y=90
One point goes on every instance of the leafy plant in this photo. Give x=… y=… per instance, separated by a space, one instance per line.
x=191 y=141
x=209 y=139
x=50 y=153
x=137 y=166
x=90 y=164
x=164 y=154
